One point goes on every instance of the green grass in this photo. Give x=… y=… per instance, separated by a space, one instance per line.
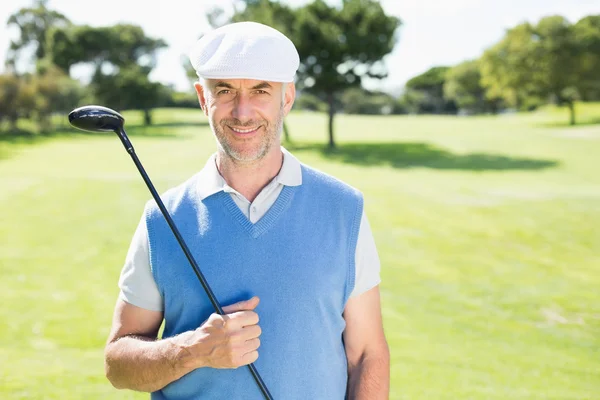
x=487 y=229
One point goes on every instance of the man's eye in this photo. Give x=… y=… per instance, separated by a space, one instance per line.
x=224 y=91
x=261 y=92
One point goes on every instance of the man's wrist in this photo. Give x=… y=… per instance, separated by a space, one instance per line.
x=183 y=359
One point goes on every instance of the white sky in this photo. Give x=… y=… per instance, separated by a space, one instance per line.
x=434 y=32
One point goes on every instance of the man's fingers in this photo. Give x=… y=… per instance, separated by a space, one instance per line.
x=249 y=357
x=245 y=334
x=246 y=305
x=251 y=332
x=253 y=344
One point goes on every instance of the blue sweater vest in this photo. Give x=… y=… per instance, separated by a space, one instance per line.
x=298 y=258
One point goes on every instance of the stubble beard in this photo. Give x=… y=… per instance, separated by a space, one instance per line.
x=226 y=145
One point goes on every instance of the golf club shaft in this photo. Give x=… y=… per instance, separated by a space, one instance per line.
x=188 y=254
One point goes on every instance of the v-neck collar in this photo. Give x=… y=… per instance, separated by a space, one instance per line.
x=268 y=220
x=210 y=181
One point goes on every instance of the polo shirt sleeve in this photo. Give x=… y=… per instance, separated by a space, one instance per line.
x=136 y=282
x=367 y=264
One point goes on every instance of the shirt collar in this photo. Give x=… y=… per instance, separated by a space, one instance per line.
x=291 y=171
x=210 y=180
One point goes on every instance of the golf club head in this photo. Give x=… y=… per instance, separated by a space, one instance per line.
x=96 y=119
x=100 y=119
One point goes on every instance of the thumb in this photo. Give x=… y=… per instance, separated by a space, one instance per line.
x=246 y=305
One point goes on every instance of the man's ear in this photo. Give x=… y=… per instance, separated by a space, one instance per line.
x=290 y=96
x=201 y=97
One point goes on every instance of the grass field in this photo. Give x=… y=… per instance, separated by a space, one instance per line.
x=487 y=228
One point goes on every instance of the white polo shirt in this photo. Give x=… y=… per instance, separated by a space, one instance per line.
x=137 y=283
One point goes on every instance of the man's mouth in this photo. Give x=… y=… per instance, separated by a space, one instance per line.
x=244 y=131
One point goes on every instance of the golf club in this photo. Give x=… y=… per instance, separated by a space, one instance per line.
x=102 y=119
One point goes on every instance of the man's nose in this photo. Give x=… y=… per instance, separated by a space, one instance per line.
x=242 y=108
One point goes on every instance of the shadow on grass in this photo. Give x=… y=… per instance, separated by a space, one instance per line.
x=566 y=124
x=15 y=137
x=155 y=130
x=169 y=125
x=411 y=155
x=159 y=131
x=19 y=136
x=163 y=130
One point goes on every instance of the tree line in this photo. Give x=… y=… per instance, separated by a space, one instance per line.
x=121 y=57
x=339 y=46
x=552 y=61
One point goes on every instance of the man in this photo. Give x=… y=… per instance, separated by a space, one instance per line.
x=288 y=248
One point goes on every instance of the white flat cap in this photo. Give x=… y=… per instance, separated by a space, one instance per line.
x=245 y=50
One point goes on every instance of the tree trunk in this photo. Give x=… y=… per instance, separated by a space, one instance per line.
x=45 y=123
x=14 y=126
x=572 y=112
x=147 y=117
x=330 y=101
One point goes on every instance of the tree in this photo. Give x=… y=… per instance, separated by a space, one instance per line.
x=309 y=102
x=538 y=61
x=338 y=46
x=34 y=24
x=425 y=92
x=505 y=67
x=17 y=99
x=463 y=86
x=587 y=35
x=129 y=88
x=55 y=92
x=360 y=101
x=38 y=96
x=123 y=57
x=120 y=45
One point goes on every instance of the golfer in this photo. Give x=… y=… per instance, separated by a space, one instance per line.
x=287 y=248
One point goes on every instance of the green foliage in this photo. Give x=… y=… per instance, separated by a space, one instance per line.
x=505 y=67
x=55 y=92
x=121 y=45
x=361 y=101
x=182 y=100
x=339 y=47
x=431 y=80
x=425 y=93
x=552 y=60
x=271 y=13
x=587 y=35
x=310 y=102
x=34 y=24
x=463 y=86
x=127 y=50
x=38 y=96
x=130 y=88
x=17 y=99
x=556 y=54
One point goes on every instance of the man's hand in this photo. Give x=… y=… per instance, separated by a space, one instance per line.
x=224 y=341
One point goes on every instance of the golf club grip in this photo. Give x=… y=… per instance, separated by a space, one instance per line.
x=190 y=257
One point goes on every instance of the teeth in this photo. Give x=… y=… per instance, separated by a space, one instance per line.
x=243 y=130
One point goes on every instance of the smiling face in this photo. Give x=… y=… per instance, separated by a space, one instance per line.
x=246 y=115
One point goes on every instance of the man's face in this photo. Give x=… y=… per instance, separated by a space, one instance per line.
x=246 y=115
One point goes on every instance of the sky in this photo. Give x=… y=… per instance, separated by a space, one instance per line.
x=433 y=32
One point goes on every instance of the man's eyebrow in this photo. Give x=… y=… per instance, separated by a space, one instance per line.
x=262 y=85
x=223 y=84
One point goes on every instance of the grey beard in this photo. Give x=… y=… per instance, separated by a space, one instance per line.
x=273 y=132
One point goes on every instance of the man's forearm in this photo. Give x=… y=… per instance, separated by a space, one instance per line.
x=143 y=364
x=369 y=379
